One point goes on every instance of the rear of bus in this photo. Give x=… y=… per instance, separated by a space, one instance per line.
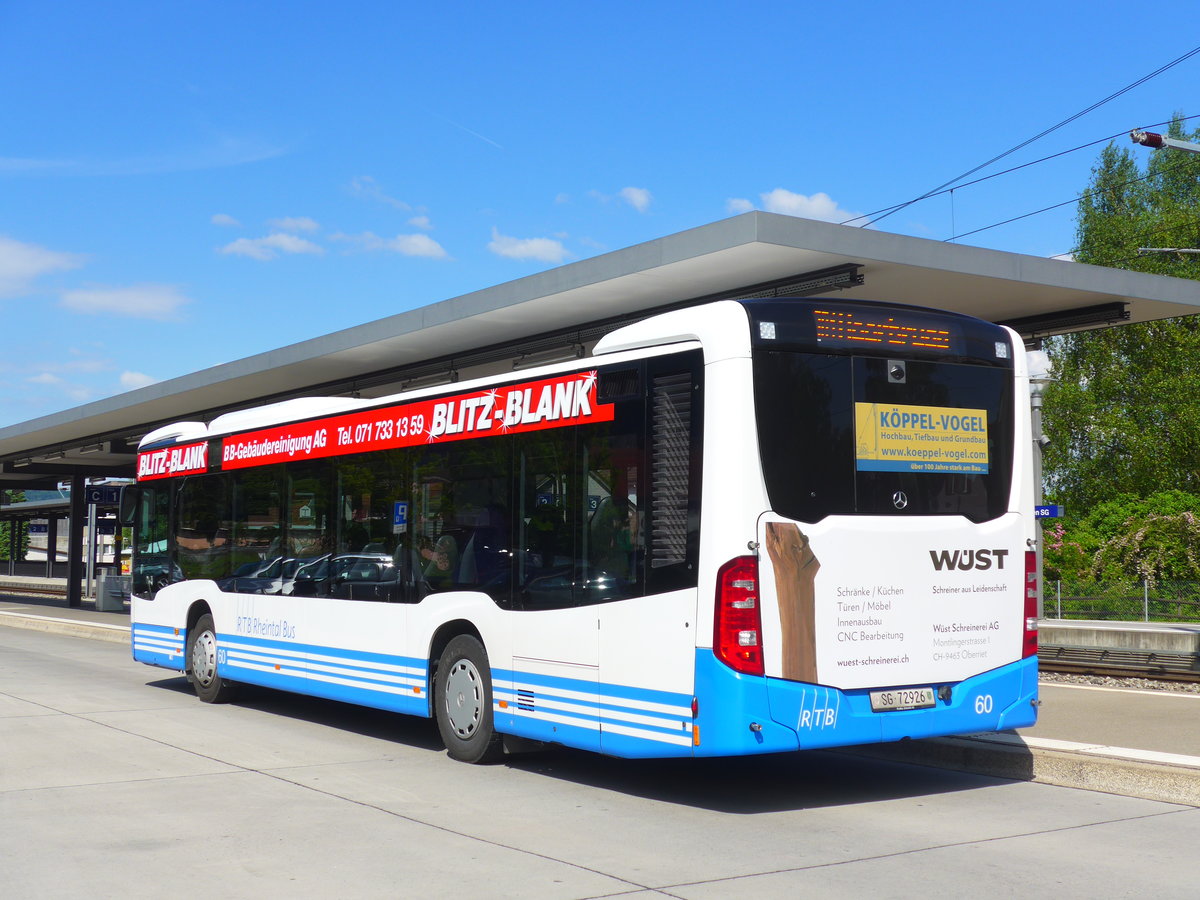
x=890 y=590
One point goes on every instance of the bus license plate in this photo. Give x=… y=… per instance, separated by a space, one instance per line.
x=902 y=698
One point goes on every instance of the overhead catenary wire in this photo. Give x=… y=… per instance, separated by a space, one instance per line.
x=1009 y=171
x=1027 y=142
x=1078 y=199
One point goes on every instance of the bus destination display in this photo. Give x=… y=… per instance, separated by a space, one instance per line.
x=850 y=328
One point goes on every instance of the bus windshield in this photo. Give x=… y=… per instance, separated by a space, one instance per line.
x=843 y=434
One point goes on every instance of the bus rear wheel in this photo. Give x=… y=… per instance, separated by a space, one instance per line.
x=202 y=663
x=463 y=702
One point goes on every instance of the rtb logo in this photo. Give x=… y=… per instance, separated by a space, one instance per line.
x=967 y=559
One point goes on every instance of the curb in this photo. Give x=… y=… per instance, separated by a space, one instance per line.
x=96 y=631
x=1145 y=774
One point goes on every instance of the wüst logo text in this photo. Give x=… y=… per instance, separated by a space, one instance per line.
x=967 y=560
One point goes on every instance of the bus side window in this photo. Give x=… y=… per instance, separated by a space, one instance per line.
x=256 y=530
x=202 y=531
x=548 y=520
x=461 y=515
x=369 y=561
x=614 y=468
x=308 y=537
x=153 y=568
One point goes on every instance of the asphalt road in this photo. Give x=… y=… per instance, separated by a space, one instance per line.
x=116 y=782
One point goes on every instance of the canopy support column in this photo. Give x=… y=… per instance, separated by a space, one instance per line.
x=75 y=542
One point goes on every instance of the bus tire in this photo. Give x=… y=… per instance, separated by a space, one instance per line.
x=463 y=702
x=202 y=663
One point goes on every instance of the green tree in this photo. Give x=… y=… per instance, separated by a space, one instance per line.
x=1123 y=414
x=6 y=529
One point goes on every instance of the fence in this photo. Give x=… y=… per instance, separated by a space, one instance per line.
x=1129 y=601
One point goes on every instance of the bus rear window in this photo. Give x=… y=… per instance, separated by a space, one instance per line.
x=845 y=435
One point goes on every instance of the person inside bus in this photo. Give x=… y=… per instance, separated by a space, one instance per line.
x=441 y=559
x=614 y=538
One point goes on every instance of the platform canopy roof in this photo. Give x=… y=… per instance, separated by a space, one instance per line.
x=746 y=254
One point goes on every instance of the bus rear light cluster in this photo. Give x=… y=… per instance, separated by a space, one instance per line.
x=737 y=630
x=1030 y=643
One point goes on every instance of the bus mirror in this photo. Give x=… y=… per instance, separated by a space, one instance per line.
x=130 y=495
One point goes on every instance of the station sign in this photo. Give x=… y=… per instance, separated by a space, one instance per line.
x=103 y=495
x=1053 y=511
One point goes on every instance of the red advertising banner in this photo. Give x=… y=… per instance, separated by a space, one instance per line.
x=511 y=409
x=186 y=459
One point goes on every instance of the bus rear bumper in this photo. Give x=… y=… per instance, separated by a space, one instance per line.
x=741 y=714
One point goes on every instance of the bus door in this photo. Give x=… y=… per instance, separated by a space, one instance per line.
x=642 y=545
x=555 y=632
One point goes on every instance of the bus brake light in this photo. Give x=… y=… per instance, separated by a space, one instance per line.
x=737 y=631
x=1030 y=643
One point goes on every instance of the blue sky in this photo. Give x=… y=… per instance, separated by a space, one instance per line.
x=187 y=183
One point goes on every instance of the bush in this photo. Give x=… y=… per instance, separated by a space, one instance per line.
x=1152 y=539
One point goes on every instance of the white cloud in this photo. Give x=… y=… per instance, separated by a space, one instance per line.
x=82 y=360
x=294 y=223
x=219 y=152
x=368 y=188
x=638 y=198
x=818 y=206
x=269 y=247
x=404 y=244
x=225 y=221
x=73 y=391
x=542 y=249
x=133 y=380
x=21 y=264
x=421 y=222
x=161 y=302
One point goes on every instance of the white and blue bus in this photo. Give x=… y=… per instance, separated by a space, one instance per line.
x=740 y=527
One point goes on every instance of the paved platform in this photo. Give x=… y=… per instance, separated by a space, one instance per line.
x=1121 y=741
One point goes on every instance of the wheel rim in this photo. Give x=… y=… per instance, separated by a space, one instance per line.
x=204 y=658
x=464 y=698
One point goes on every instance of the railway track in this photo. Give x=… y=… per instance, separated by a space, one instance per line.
x=1099 y=661
x=19 y=590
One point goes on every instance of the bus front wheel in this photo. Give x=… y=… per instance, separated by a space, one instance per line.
x=463 y=702
x=202 y=663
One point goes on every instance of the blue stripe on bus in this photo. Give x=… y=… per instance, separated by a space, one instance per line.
x=363 y=656
x=605 y=689
x=158 y=645
x=381 y=680
x=611 y=717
